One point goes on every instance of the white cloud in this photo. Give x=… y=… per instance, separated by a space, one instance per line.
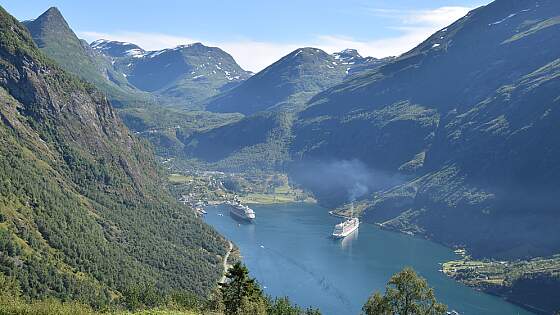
x=437 y=18
x=256 y=55
x=413 y=27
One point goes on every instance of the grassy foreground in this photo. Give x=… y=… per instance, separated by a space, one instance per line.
x=17 y=306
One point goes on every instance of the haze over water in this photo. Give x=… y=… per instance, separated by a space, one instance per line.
x=289 y=251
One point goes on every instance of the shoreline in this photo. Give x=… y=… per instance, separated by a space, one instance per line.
x=436 y=265
x=463 y=255
x=253 y=202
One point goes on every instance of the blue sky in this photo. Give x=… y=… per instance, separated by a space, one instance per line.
x=257 y=32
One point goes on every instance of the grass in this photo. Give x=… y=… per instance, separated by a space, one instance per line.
x=267 y=198
x=251 y=188
x=281 y=194
x=179 y=179
x=534 y=29
x=159 y=312
x=16 y=306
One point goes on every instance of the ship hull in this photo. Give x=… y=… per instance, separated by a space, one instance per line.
x=240 y=216
x=346 y=233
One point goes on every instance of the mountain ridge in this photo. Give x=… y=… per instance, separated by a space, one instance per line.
x=418 y=114
x=290 y=82
x=185 y=74
x=53 y=35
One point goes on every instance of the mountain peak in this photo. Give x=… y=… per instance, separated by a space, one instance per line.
x=117 y=49
x=349 y=51
x=306 y=52
x=197 y=44
x=51 y=16
x=50 y=23
x=53 y=11
x=347 y=55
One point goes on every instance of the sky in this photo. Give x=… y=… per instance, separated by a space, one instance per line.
x=257 y=32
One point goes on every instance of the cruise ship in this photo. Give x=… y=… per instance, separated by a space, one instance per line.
x=241 y=211
x=346 y=228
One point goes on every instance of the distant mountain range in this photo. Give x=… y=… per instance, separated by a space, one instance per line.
x=194 y=76
x=290 y=82
x=182 y=76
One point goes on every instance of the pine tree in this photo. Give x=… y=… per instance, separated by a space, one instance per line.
x=405 y=294
x=241 y=294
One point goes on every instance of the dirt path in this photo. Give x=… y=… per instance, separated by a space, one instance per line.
x=223 y=279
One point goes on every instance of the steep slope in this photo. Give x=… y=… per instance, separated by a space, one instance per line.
x=167 y=127
x=184 y=76
x=469 y=114
x=260 y=141
x=54 y=37
x=291 y=81
x=81 y=206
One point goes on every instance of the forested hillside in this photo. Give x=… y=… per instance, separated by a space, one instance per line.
x=469 y=114
x=83 y=212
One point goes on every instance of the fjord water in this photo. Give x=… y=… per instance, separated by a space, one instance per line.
x=289 y=251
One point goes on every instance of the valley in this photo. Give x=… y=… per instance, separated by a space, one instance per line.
x=111 y=153
x=217 y=187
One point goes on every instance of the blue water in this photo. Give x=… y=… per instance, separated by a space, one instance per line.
x=289 y=251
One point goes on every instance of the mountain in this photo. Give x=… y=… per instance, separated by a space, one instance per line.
x=116 y=49
x=82 y=205
x=355 y=63
x=271 y=99
x=55 y=38
x=470 y=117
x=458 y=133
x=291 y=81
x=184 y=76
x=260 y=141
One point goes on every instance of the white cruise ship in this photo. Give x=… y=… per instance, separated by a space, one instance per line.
x=241 y=211
x=345 y=228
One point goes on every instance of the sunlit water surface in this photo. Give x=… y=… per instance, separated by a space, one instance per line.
x=289 y=251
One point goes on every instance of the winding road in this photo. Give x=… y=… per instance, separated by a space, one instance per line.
x=223 y=279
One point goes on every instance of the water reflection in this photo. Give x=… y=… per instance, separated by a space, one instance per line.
x=346 y=243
